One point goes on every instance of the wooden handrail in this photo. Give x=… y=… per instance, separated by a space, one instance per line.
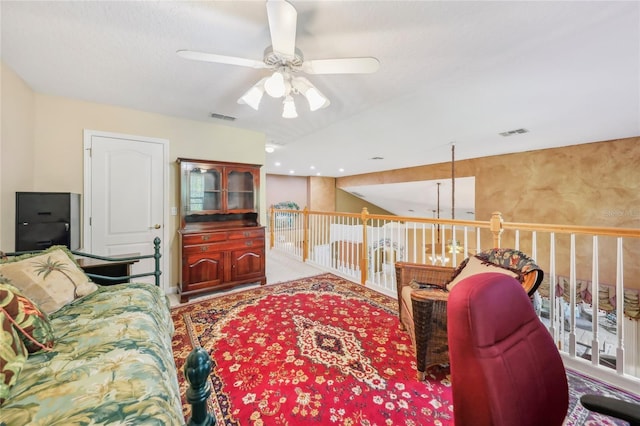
x=575 y=229
x=522 y=226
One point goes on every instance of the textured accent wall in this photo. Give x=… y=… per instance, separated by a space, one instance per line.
x=322 y=193
x=595 y=184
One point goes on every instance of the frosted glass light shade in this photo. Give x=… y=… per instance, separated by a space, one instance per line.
x=274 y=86
x=289 y=110
x=316 y=99
x=254 y=95
x=313 y=96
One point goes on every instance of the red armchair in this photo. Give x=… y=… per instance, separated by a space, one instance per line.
x=505 y=368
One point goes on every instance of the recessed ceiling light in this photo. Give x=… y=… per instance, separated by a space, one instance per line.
x=341 y=170
x=318 y=174
x=291 y=172
x=313 y=167
x=269 y=149
x=277 y=163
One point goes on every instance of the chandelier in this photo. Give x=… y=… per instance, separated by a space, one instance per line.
x=281 y=84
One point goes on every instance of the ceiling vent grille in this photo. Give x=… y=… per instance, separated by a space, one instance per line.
x=222 y=117
x=513 y=132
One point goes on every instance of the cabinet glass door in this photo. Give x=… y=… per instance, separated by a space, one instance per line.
x=205 y=190
x=240 y=190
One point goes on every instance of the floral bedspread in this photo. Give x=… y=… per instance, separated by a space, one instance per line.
x=112 y=363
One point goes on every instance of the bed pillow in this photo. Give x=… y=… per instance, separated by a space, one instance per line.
x=473 y=266
x=13 y=355
x=51 y=278
x=30 y=322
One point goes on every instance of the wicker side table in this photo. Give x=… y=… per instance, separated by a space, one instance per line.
x=430 y=322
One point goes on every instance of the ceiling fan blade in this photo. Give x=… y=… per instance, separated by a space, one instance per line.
x=221 y=59
x=366 y=65
x=282 y=25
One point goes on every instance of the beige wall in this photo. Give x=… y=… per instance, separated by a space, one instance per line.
x=53 y=160
x=286 y=188
x=18 y=104
x=314 y=192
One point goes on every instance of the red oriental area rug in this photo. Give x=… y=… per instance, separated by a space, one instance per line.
x=319 y=350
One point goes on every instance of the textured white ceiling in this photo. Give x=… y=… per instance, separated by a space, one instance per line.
x=568 y=71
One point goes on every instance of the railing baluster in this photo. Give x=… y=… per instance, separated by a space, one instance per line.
x=595 y=300
x=534 y=246
x=619 y=307
x=552 y=289
x=572 y=297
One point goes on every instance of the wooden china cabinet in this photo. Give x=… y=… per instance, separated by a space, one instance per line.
x=222 y=244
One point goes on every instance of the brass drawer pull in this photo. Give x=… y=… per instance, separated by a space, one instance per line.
x=248 y=243
x=206 y=237
x=204 y=248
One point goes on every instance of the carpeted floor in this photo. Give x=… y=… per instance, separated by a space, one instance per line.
x=321 y=350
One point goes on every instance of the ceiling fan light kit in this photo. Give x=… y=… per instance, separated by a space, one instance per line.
x=282 y=84
x=283 y=57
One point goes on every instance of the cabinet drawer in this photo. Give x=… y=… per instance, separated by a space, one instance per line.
x=201 y=248
x=246 y=233
x=190 y=239
x=223 y=245
x=242 y=244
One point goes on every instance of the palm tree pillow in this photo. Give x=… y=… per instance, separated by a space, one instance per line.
x=51 y=278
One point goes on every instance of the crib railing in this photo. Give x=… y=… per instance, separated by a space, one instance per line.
x=591 y=313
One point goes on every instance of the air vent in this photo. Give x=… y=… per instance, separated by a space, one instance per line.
x=222 y=117
x=514 y=132
x=377 y=158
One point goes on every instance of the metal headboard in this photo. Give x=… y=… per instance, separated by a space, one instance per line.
x=156 y=255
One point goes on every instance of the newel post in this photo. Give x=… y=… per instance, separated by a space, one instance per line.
x=305 y=234
x=197 y=368
x=272 y=223
x=156 y=256
x=364 y=260
x=495 y=225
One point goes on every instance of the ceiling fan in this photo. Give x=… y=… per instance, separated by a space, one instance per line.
x=286 y=61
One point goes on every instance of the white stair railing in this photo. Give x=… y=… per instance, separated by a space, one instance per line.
x=593 y=330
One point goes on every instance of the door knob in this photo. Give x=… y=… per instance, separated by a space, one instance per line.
x=156 y=226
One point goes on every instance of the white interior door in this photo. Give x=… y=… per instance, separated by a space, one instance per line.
x=125 y=180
